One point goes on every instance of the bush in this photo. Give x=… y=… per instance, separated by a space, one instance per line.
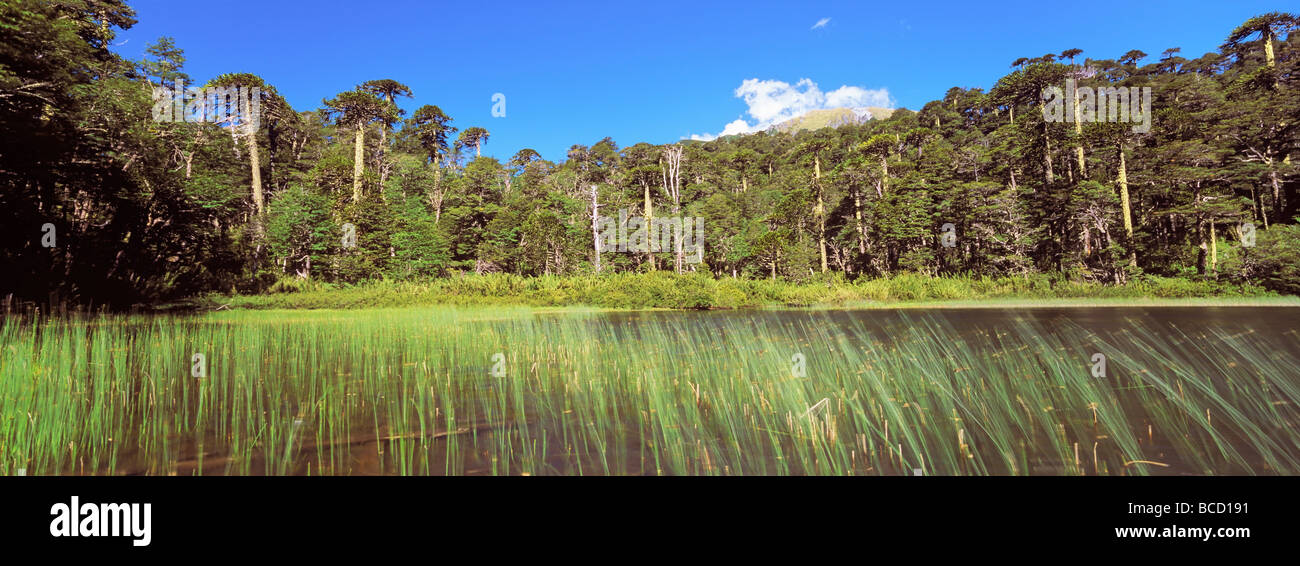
x=701 y=290
x=1274 y=262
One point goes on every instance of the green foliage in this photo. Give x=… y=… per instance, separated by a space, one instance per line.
x=1275 y=260
x=152 y=211
x=419 y=249
x=700 y=291
x=301 y=232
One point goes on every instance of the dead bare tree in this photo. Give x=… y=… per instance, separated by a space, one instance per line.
x=671 y=166
x=595 y=226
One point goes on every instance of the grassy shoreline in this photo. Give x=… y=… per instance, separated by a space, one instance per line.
x=695 y=291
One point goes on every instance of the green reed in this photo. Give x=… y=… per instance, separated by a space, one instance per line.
x=417 y=391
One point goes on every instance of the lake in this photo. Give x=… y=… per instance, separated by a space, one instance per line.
x=442 y=390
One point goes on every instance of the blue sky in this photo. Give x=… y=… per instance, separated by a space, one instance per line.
x=575 y=72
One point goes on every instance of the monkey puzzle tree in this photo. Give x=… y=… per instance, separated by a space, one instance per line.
x=743 y=161
x=165 y=60
x=1119 y=136
x=1268 y=27
x=247 y=124
x=879 y=147
x=431 y=127
x=812 y=150
x=523 y=157
x=473 y=136
x=519 y=162
x=1077 y=74
x=356 y=109
x=389 y=90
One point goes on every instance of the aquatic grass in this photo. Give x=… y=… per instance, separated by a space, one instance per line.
x=411 y=392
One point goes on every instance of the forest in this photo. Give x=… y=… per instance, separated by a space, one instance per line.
x=100 y=202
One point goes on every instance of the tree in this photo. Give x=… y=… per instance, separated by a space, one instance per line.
x=671 y=169
x=743 y=161
x=1119 y=136
x=148 y=210
x=1077 y=74
x=300 y=231
x=388 y=90
x=812 y=150
x=1268 y=27
x=431 y=127
x=473 y=136
x=519 y=161
x=1132 y=57
x=524 y=156
x=355 y=109
x=879 y=147
x=165 y=61
x=248 y=125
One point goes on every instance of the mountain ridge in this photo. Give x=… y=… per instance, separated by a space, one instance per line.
x=832 y=118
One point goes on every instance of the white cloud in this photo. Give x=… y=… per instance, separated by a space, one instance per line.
x=771 y=102
x=737 y=127
x=821 y=23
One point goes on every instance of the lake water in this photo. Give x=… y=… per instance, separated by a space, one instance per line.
x=1088 y=391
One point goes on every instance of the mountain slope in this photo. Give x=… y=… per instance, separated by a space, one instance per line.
x=831 y=118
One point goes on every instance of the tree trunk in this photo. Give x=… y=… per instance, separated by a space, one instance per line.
x=383 y=146
x=671 y=167
x=1277 y=193
x=857 y=215
x=1214 y=248
x=1202 y=248
x=1269 y=58
x=820 y=211
x=1078 y=132
x=383 y=132
x=359 y=164
x=1126 y=206
x=1257 y=207
x=884 y=177
x=650 y=246
x=255 y=163
x=595 y=226
x=437 y=192
x=1048 y=174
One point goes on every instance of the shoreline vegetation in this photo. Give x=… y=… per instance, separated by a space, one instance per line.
x=661 y=290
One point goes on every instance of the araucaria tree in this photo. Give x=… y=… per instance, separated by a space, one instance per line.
x=356 y=109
